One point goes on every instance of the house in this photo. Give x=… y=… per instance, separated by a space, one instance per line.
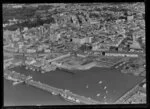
x=135 y=45
x=82 y=40
x=130 y=18
x=31 y=50
x=47 y=50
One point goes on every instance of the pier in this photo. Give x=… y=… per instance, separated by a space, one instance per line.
x=66 y=95
x=16 y=77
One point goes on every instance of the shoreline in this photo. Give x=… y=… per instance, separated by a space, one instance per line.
x=83 y=67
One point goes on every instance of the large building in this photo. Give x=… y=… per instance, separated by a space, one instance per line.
x=82 y=40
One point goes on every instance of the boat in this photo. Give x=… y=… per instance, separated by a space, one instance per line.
x=64 y=95
x=29 y=77
x=78 y=101
x=105 y=87
x=98 y=95
x=67 y=90
x=100 y=82
x=54 y=93
x=70 y=99
x=16 y=82
x=87 y=86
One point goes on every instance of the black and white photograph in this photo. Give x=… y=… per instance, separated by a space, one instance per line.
x=62 y=54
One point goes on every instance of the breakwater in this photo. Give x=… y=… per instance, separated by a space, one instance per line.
x=65 y=94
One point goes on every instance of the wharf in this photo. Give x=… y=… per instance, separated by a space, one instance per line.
x=16 y=77
x=66 y=95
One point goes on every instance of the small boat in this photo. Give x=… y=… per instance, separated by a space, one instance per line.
x=98 y=95
x=29 y=77
x=87 y=86
x=54 y=93
x=105 y=103
x=104 y=97
x=78 y=101
x=100 y=82
x=106 y=91
x=16 y=82
x=105 y=87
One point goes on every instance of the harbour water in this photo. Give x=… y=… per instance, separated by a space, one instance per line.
x=117 y=84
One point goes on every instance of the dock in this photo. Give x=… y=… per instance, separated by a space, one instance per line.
x=65 y=94
x=16 y=77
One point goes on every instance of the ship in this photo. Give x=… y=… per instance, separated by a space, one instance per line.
x=70 y=99
x=105 y=87
x=100 y=82
x=17 y=82
x=98 y=95
x=53 y=93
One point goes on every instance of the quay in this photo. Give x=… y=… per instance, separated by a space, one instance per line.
x=128 y=94
x=16 y=77
x=65 y=94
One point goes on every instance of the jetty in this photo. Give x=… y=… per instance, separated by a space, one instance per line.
x=64 y=94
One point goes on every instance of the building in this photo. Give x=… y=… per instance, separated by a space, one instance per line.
x=130 y=18
x=121 y=55
x=100 y=47
x=31 y=50
x=135 y=45
x=82 y=40
x=47 y=50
